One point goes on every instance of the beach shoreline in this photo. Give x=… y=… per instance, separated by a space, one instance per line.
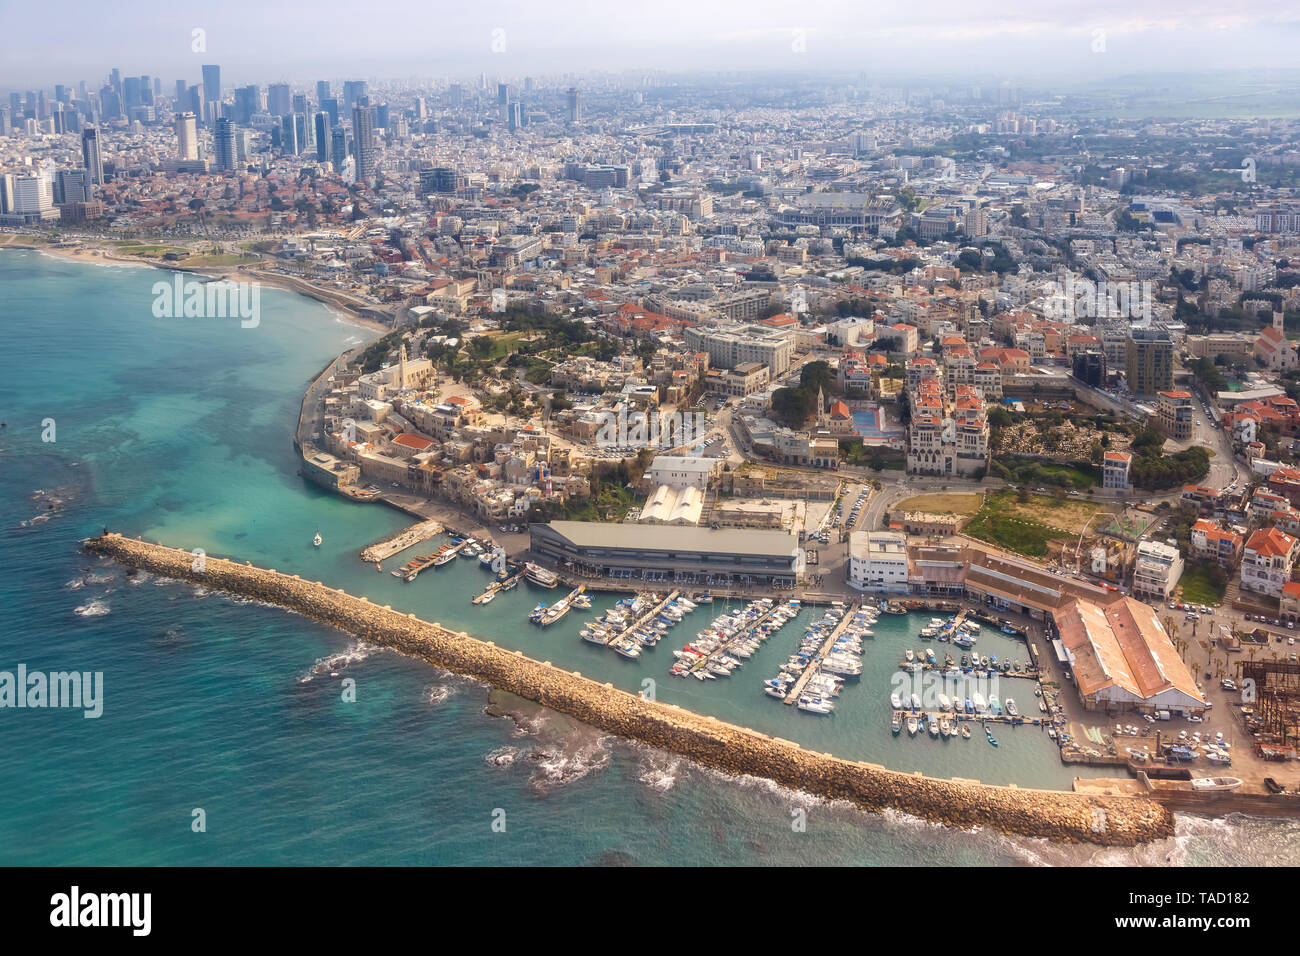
x=95 y=252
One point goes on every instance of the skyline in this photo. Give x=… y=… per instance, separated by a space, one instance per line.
x=407 y=40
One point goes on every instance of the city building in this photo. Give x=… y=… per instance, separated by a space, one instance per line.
x=687 y=555
x=1114 y=472
x=187 y=136
x=363 y=142
x=1266 y=561
x=1157 y=569
x=1149 y=360
x=878 y=561
x=1174 y=414
x=1210 y=541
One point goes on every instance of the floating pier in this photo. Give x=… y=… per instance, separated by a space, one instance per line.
x=643 y=619
x=814 y=666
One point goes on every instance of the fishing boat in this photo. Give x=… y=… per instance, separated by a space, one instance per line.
x=912 y=724
x=316 y=540
x=916 y=702
x=989 y=734
x=1011 y=707
x=980 y=704
x=995 y=706
x=896 y=700
x=540 y=576
x=944 y=702
x=969 y=706
x=378 y=566
x=896 y=723
x=945 y=727
x=965 y=732
x=908 y=655
x=509 y=584
x=932 y=724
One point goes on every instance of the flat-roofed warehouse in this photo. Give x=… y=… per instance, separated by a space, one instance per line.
x=668 y=553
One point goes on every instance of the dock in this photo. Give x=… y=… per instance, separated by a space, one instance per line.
x=409 y=538
x=643 y=619
x=708 y=659
x=814 y=666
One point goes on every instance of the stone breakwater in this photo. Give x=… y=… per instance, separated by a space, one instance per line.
x=1053 y=815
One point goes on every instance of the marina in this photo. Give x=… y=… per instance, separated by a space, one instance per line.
x=547 y=615
x=637 y=622
x=732 y=639
x=813 y=669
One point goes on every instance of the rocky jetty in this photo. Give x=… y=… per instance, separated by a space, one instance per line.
x=1052 y=815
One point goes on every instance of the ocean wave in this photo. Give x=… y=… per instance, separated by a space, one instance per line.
x=76 y=584
x=200 y=591
x=139 y=578
x=93 y=609
x=503 y=756
x=557 y=766
x=659 y=770
x=438 y=693
x=357 y=652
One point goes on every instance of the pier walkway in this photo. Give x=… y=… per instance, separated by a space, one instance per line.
x=709 y=658
x=815 y=664
x=383 y=550
x=641 y=621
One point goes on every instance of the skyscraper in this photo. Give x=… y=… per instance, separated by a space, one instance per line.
x=90 y=155
x=187 y=136
x=338 y=147
x=363 y=141
x=353 y=90
x=324 y=142
x=278 y=99
x=322 y=91
x=574 y=97
x=211 y=87
x=223 y=140
x=131 y=92
x=289 y=140
x=248 y=100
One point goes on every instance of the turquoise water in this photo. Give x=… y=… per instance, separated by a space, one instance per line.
x=180 y=430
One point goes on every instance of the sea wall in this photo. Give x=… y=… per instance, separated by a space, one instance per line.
x=1055 y=815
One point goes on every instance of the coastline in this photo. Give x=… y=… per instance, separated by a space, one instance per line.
x=1057 y=815
x=98 y=253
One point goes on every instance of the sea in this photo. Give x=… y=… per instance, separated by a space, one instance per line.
x=234 y=733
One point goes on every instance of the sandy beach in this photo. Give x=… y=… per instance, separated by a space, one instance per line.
x=99 y=253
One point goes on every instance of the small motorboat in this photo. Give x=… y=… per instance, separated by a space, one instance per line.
x=378 y=566
x=896 y=724
x=965 y=731
x=896 y=700
x=912 y=724
x=989 y=734
x=316 y=540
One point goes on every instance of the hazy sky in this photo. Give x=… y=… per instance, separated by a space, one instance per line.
x=261 y=41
